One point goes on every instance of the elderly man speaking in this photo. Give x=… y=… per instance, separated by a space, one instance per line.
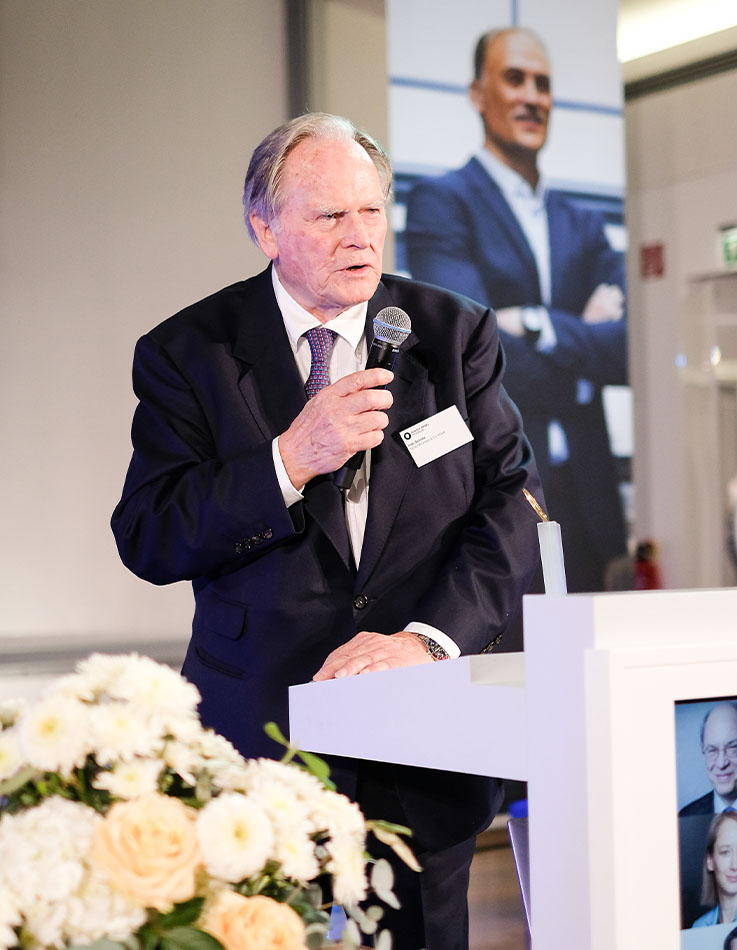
x=249 y=402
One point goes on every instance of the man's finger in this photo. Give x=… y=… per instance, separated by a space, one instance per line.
x=363 y=379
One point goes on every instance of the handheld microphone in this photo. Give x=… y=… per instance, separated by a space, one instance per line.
x=392 y=326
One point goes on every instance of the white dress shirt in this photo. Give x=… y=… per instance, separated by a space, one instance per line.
x=528 y=206
x=348 y=355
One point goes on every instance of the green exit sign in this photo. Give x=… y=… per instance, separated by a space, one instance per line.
x=729 y=245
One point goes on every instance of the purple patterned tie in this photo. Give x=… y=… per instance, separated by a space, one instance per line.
x=321 y=344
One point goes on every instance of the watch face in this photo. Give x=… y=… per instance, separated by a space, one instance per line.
x=532 y=319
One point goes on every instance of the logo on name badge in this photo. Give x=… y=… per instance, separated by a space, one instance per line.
x=436 y=436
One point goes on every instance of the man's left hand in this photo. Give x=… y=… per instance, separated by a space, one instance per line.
x=368 y=652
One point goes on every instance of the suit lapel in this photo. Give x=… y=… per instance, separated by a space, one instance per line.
x=270 y=381
x=488 y=196
x=391 y=463
x=274 y=395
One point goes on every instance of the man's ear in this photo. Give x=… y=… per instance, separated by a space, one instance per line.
x=474 y=94
x=264 y=235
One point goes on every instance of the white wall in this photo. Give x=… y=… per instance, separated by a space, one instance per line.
x=682 y=185
x=126 y=129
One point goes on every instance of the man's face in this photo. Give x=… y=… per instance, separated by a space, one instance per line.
x=513 y=94
x=720 y=750
x=328 y=241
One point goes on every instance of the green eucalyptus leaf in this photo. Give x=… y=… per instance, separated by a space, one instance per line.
x=274 y=732
x=182 y=914
x=18 y=780
x=315 y=941
x=317 y=767
x=383 y=825
x=189 y=938
x=149 y=939
x=351 y=936
x=315 y=934
x=384 y=941
x=399 y=846
x=102 y=944
x=382 y=882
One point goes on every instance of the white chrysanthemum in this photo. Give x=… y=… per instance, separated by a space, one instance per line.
x=121 y=731
x=9 y=918
x=236 y=837
x=48 y=844
x=339 y=816
x=182 y=759
x=97 y=911
x=229 y=778
x=61 y=900
x=92 y=678
x=294 y=849
x=187 y=729
x=44 y=922
x=218 y=750
x=55 y=734
x=280 y=802
x=10 y=711
x=347 y=865
x=10 y=754
x=154 y=686
x=259 y=772
x=131 y=779
x=193 y=750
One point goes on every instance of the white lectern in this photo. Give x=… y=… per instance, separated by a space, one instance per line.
x=586 y=716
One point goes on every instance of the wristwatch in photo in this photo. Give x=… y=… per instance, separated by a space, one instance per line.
x=532 y=323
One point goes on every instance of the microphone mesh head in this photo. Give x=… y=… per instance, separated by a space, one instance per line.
x=392 y=325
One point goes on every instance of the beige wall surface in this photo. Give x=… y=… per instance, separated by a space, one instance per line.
x=126 y=126
x=126 y=130
x=682 y=186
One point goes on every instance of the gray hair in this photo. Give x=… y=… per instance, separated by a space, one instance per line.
x=263 y=192
x=490 y=37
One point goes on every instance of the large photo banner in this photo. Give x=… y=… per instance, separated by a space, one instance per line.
x=506 y=134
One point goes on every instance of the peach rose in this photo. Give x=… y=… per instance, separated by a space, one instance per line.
x=148 y=849
x=254 y=923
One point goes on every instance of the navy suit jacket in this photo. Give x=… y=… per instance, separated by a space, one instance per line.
x=462 y=234
x=700 y=806
x=452 y=543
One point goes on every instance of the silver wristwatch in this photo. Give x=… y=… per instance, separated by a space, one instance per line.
x=434 y=649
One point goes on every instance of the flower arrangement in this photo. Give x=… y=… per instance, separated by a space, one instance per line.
x=128 y=826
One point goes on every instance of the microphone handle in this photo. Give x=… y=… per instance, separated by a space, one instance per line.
x=382 y=355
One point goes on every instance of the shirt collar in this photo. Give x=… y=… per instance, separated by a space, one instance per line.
x=350 y=324
x=510 y=181
x=720 y=804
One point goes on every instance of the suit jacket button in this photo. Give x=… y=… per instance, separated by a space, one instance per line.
x=267 y=534
x=360 y=602
x=238 y=547
x=257 y=539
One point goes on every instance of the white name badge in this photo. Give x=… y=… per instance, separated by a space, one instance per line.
x=436 y=436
